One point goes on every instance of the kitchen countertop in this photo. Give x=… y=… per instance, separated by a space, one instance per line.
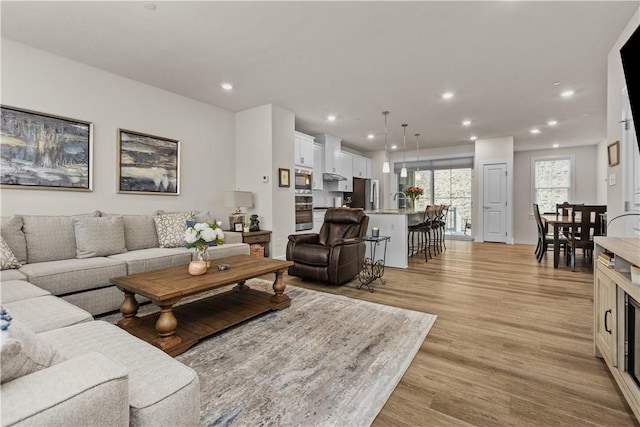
x=394 y=212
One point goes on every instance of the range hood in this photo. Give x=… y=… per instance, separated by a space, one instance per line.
x=332 y=177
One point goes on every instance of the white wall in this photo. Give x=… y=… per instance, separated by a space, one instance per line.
x=492 y=151
x=525 y=230
x=265 y=143
x=36 y=80
x=615 y=83
x=602 y=164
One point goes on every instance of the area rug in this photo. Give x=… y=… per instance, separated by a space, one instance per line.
x=327 y=360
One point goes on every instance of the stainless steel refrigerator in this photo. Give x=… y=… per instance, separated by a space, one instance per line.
x=366 y=194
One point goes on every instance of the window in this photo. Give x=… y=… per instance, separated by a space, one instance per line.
x=552 y=181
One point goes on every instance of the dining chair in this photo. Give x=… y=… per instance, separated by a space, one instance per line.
x=544 y=238
x=583 y=228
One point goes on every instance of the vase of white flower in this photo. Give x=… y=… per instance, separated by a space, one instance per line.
x=199 y=236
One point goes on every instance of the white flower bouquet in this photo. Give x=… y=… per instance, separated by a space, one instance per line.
x=201 y=233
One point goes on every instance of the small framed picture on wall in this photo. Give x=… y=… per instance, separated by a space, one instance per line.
x=613 y=152
x=284 y=179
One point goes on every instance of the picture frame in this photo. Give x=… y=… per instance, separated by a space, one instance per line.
x=284 y=177
x=44 y=151
x=148 y=164
x=238 y=226
x=613 y=153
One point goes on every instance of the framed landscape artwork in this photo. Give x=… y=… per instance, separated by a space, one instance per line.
x=283 y=178
x=613 y=153
x=42 y=151
x=148 y=164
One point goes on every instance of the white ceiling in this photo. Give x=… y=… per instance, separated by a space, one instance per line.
x=356 y=59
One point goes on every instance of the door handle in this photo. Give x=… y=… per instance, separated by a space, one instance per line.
x=486 y=207
x=606 y=325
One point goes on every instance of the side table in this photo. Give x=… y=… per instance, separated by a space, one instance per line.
x=262 y=237
x=373 y=268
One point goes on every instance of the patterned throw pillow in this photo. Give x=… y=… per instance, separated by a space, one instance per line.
x=170 y=228
x=23 y=352
x=8 y=260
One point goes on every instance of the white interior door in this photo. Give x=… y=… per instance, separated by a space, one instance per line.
x=631 y=169
x=494 y=210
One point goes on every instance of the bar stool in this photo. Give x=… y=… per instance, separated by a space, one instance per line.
x=419 y=232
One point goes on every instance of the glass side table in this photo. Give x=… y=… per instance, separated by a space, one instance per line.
x=373 y=269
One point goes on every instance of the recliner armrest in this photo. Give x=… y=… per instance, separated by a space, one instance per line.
x=349 y=241
x=312 y=238
x=91 y=389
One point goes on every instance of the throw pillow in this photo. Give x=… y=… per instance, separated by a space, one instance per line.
x=100 y=236
x=23 y=352
x=170 y=228
x=11 y=229
x=8 y=259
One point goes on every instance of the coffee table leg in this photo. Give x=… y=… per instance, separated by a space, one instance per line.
x=240 y=286
x=166 y=325
x=278 y=287
x=129 y=309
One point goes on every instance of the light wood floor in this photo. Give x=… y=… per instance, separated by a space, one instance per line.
x=512 y=345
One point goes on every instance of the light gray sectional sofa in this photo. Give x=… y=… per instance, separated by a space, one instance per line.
x=74 y=257
x=59 y=365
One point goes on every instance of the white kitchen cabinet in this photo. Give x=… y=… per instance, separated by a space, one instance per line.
x=318 y=166
x=331 y=152
x=361 y=167
x=345 y=168
x=303 y=150
x=318 y=220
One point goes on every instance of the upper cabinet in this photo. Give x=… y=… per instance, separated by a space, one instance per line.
x=345 y=168
x=304 y=150
x=318 y=165
x=361 y=167
x=331 y=152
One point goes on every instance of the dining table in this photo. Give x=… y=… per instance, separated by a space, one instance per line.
x=558 y=222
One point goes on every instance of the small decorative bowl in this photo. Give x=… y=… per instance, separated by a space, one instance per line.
x=223 y=267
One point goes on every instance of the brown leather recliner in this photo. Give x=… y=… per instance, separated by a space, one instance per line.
x=336 y=254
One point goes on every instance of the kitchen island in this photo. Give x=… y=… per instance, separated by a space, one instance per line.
x=394 y=223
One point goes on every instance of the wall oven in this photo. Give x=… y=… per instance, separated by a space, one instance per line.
x=303 y=179
x=303 y=199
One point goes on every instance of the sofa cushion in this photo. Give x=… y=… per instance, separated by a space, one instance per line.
x=23 y=352
x=99 y=236
x=7 y=259
x=45 y=313
x=162 y=391
x=12 y=275
x=16 y=290
x=310 y=254
x=170 y=228
x=73 y=275
x=50 y=238
x=139 y=231
x=11 y=229
x=150 y=259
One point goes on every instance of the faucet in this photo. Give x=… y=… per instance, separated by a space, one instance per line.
x=404 y=196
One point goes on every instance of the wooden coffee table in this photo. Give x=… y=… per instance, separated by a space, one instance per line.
x=204 y=317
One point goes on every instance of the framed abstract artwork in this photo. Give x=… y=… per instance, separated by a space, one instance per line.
x=43 y=151
x=613 y=153
x=148 y=164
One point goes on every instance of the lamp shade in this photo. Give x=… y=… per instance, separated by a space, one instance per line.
x=238 y=199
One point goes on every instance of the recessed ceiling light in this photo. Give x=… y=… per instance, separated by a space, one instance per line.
x=556 y=145
x=567 y=94
x=150 y=6
x=552 y=122
x=226 y=86
x=556 y=83
x=534 y=131
x=371 y=136
x=466 y=122
x=447 y=95
x=473 y=138
x=331 y=117
x=394 y=146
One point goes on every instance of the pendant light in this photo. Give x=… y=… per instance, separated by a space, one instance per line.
x=417 y=135
x=403 y=171
x=385 y=165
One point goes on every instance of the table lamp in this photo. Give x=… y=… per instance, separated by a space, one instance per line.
x=237 y=200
